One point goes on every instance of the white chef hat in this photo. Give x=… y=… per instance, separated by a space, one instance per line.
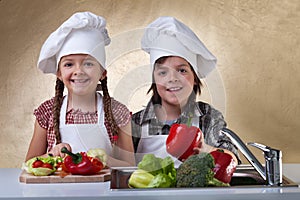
x=166 y=36
x=82 y=33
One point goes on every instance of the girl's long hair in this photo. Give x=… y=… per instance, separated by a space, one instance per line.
x=58 y=99
x=108 y=114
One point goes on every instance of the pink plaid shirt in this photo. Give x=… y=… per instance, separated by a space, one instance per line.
x=44 y=117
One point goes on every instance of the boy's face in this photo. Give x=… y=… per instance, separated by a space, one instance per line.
x=174 y=80
x=80 y=73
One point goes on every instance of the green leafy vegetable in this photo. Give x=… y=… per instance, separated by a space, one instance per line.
x=161 y=181
x=140 y=179
x=98 y=153
x=41 y=171
x=151 y=164
x=154 y=172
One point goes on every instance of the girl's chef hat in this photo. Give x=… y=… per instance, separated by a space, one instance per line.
x=82 y=33
x=166 y=36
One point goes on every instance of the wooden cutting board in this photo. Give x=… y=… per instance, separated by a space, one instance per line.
x=104 y=175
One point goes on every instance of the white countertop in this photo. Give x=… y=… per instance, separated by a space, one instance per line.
x=11 y=188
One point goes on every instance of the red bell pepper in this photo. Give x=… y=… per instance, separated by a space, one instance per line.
x=182 y=139
x=80 y=163
x=225 y=165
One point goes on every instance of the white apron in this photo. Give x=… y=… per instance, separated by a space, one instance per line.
x=83 y=137
x=156 y=144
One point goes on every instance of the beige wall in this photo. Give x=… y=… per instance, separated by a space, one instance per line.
x=256 y=86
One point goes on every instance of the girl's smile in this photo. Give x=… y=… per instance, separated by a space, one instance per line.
x=79 y=82
x=80 y=73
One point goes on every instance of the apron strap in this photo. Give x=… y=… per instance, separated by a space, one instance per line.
x=145 y=130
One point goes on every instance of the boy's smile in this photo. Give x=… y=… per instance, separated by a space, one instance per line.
x=174 y=80
x=174 y=89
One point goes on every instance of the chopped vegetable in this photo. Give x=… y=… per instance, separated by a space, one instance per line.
x=151 y=164
x=37 y=163
x=81 y=163
x=47 y=165
x=140 y=179
x=42 y=166
x=42 y=171
x=154 y=172
x=197 y=171
x=98 y=153
x=225 y=165
x=161 y=181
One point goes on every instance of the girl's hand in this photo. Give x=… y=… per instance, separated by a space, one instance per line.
x=56 y=150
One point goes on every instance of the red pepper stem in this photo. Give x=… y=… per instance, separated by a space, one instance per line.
x=189 y=122
x=76 y=158
x=221 y=150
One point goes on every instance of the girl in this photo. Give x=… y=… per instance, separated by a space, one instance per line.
x=179 y=60
x=83 y=119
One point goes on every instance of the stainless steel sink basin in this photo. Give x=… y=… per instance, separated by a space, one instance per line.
x=244 y=176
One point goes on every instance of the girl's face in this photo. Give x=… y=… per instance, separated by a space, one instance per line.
x=80 y=73
x=174 y=80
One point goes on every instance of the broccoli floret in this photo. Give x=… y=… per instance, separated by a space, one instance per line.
x=196 y=171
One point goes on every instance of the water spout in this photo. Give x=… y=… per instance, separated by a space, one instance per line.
x=272 y=172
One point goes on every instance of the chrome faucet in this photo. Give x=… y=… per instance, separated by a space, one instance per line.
x=272 y=172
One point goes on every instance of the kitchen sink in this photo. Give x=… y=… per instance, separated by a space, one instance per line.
x=244 y=176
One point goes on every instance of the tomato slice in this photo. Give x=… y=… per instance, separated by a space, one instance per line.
x=47 y=165
x=37 y=163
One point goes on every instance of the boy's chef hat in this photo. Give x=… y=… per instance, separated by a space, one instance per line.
x=166 y=36
x=82 y=33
